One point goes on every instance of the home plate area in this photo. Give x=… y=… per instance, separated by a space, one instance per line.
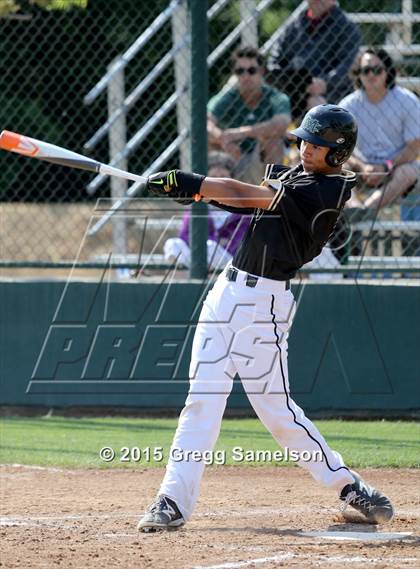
x=246 y=517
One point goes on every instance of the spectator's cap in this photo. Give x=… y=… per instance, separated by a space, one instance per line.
x=331 y=126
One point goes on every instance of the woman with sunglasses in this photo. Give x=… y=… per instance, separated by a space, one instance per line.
x=388 y=146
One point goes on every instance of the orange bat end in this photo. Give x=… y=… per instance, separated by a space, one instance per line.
x=14 y=142
x=9 y=140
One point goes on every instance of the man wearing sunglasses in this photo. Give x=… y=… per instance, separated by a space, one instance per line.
x=388 y=116
x=249 y=119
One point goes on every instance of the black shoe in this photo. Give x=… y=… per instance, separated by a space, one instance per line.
x=162 y=514
x=374 y=505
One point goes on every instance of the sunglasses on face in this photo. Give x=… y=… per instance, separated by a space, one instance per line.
x=375 y=69
x=242 y=70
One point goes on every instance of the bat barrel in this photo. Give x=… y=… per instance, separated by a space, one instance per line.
x=14 y=142
x=33 y=148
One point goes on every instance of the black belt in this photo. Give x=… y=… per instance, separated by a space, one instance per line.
x=251 y=280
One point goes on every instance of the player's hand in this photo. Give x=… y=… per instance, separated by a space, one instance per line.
x=184 y=187
x=160 y=183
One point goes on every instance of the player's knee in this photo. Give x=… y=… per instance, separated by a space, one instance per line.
x=203 y=415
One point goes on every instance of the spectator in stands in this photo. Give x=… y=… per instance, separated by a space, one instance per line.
x=388 y=116
x=312 y=58
x=249 y=120
x=225 y=230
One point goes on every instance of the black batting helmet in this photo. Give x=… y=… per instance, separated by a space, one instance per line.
x=332 y=126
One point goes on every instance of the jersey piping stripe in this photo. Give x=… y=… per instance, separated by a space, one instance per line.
x=287 y=395
x=268 y=170
x=346 y=175
x=281 y=190
x=277 y=198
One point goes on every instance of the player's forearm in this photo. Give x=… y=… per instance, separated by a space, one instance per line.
x=186 y=187
x=235 y=193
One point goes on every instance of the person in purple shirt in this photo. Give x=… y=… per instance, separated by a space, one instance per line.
x=225 y=230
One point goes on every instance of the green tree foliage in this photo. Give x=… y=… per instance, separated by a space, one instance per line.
x=9 y=7
x=49 y=62
x=61 y=4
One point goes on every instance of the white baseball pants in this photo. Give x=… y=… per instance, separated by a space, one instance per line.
x=244 y=331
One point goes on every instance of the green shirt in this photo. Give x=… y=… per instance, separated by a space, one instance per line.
x=231 y=112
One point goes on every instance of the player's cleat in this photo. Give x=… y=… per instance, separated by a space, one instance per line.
x=162 y=514
x=374 y=505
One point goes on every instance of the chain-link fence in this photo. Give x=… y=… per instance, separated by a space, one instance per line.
x=111 y=79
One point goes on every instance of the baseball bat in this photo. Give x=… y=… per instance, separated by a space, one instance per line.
x=34 y=148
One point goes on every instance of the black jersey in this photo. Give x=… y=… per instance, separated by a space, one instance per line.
x=297 y=224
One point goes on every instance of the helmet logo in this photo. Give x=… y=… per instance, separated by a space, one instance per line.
x=312 y=125
x=340 y=140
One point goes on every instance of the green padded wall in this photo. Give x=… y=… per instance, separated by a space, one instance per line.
x=352 y=346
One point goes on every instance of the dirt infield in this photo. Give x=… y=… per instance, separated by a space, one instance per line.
x=246 y=517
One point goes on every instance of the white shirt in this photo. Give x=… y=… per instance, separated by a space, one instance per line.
x=384 y=127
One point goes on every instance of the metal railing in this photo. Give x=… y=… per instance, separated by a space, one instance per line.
x=146 y=83
x=132 y=51
x=407 y=17
x=153 y=75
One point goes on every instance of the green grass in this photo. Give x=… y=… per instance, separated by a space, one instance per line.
x=75 y=442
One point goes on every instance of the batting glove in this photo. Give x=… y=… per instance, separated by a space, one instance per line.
x=183 y=187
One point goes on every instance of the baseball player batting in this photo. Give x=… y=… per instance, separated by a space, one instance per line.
x=246 y=317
